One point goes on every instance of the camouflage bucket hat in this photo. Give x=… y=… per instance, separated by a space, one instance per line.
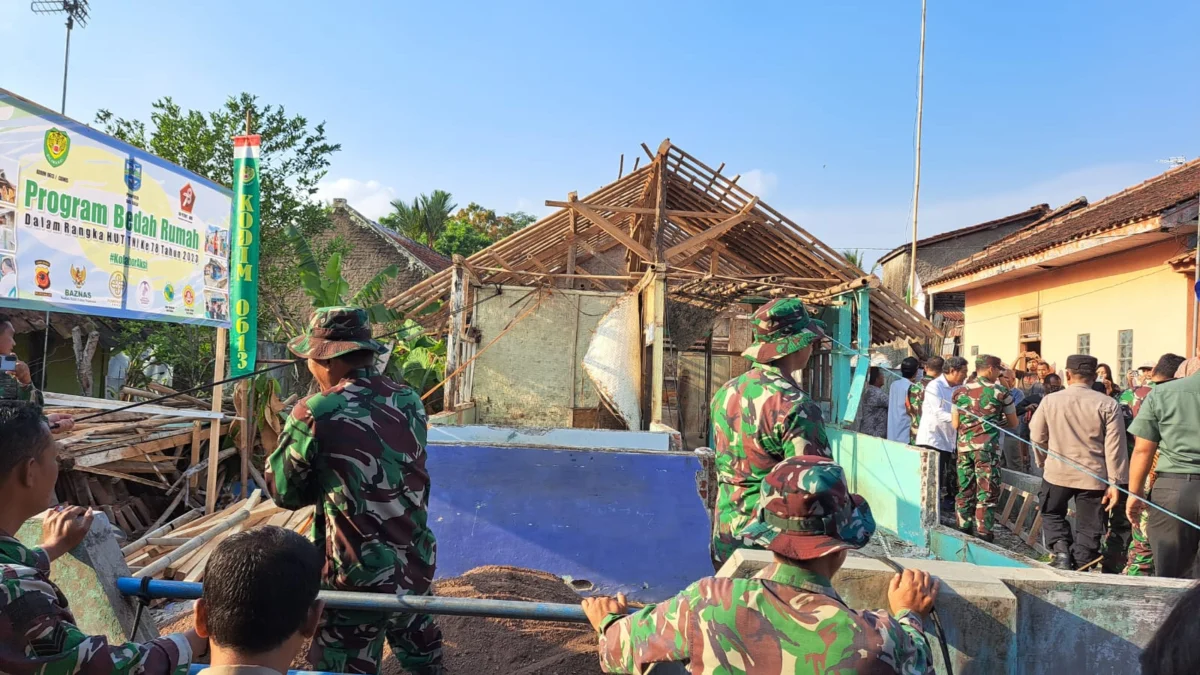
x=806 y=511
x=782 y=327
x=334 y=331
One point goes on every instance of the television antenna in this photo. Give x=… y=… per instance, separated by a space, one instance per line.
x=77 y=12
x=1178 y=160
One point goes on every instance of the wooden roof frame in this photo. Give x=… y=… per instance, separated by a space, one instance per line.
x=673 y=212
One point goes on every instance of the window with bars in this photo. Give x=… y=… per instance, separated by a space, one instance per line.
x=1083 y=343
x=1124 y=353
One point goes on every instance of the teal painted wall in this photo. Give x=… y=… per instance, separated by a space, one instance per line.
x=947 y=545
x=888 y=475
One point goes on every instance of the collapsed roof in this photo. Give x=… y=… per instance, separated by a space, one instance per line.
x=718 y=242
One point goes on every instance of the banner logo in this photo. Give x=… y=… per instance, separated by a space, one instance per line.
x=56 y=147
x=78 y=275
x=41 y=273
x=189 y=297
x=187 y=198
x=249 y=173
x=116 y=284
x=143 y=293
x=169 y=293
x=133 y=174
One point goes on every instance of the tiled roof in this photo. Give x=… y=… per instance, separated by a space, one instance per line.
x=1037 y=211
x=431 y=258
x=1130 y=205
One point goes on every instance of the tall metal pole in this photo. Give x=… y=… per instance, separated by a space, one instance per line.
x=912 y=255
x=66 y=63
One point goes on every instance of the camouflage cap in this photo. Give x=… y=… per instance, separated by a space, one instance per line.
x=806 y=511
x=334 y=331
x=782 y=327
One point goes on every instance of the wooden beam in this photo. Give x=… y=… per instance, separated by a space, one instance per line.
x=571 y=247
x=643 y=211
x=122 y=476
x=197 y=441
x=714 y=259
x=613 y=231
x=214 y=433
x=713 y=232
x=143 y=448
x=455 y=329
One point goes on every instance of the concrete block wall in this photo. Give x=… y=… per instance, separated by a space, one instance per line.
x=1011 y=621
x=526 y=379
x=88 y=577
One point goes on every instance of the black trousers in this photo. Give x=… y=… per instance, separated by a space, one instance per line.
x=1174 y=543
x=1084 y=544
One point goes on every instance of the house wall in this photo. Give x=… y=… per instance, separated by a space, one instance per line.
x=1130 y=290
x=60 y=373
x=369 y=254
x=526 y=379
x=932 y=258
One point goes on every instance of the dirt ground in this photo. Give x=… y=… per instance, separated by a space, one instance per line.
x=498 y=646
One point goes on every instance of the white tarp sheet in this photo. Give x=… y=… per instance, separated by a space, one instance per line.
x=614 y=361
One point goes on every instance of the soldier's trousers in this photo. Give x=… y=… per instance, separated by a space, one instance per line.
x=352 y=642
x=978 y=488
x=1140 y=561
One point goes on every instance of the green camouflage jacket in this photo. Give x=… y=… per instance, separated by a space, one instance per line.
x=758 y=419
x=983 y=405
x=1131 y=400
x=916 y=399
x=11 y=390
x=38 y=635
x=352 y=450
x=784 y=620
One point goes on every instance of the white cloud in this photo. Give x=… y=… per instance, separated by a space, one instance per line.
x=371 y=198
x=758 y=182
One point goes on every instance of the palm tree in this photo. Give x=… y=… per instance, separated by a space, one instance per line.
x=424 y=219
x=855 y=257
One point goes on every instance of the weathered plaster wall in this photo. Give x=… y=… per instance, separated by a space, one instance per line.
x=526 y=379
x=1098 y=297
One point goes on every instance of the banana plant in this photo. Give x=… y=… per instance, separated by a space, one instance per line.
x=327 y=286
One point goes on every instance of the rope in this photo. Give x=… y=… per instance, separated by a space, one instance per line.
x=1046 y=451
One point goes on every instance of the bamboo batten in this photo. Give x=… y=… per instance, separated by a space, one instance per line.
x=755 y=250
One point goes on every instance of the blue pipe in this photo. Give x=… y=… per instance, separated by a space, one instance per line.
x=382 y=602
x=197 y=667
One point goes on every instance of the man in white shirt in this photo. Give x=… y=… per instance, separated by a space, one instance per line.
x=898 y=419
x=937 y=423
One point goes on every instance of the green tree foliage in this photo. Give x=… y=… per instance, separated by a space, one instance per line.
x=424 y=219
x=185 y=351
x=326 y=286
x=460 y=238
x=295 y=157
x=855 y=257
x=495 y=227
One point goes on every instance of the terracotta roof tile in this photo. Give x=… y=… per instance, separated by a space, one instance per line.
x=1132 y=204
x=431 y=258
x=1038 y=211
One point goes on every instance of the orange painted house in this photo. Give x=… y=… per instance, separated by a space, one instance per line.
x=1114 y=279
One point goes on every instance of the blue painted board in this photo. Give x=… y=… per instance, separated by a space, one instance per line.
x=624 y=521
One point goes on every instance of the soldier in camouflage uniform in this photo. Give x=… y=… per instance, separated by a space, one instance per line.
x=1139 y=561
x=16 y=384
x=787 y=618
x=981 y=408
x=38 y=634
x=356 y=451
x=916 y=394
x=762 y=417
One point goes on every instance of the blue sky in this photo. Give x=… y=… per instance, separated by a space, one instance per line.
x=510 y=104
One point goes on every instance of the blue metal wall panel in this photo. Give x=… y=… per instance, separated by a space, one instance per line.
x=625 y=521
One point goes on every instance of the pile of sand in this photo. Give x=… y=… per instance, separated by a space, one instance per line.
x=499 y=646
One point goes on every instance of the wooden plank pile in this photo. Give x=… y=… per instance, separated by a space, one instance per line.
x=130 y=464
x=180 y=549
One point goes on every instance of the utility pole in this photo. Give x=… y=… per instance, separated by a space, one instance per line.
x=912 y=255
x=77 y=12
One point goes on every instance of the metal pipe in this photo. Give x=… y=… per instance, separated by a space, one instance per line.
x=383 y=602
x=196 y=668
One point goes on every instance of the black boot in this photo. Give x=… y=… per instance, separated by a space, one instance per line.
x=986 y=536
x=1062 y=557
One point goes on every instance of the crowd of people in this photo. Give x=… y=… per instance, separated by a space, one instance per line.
x=356 y=450
x=1090 y=439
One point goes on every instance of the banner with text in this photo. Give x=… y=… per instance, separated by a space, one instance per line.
x=89 y=224
x=243 y=293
